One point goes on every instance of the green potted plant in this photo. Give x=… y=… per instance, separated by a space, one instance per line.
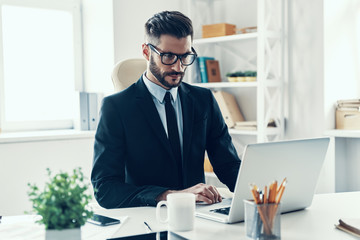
x=250 y=76
x=240 y=76
x=62 y=204
x=231 y=77
x=236 y=76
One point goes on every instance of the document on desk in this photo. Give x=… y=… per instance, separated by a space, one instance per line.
x=349 y=225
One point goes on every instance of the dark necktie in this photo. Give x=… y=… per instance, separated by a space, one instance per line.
x=173 y=133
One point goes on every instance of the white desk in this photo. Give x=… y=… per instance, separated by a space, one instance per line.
x=316 y=222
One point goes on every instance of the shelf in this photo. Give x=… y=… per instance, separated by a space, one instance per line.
x=226 y=84
x=269 y=131
x=236 y=37
x=268 y=83
x=343 y=133
x=229 y=38
x=257 y=50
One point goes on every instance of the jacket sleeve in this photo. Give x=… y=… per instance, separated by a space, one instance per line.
x=222 y=153
x=108 y=172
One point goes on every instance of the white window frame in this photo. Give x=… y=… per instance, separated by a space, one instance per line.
x=73 y=7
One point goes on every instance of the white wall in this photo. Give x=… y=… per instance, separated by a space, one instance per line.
x=324 y=57
x=342 y=54
x=98 y=41
x=21 y=163
x=304 y=111
x=342 y=81
x=114 y=31
x=305 y=92
x=129 y=21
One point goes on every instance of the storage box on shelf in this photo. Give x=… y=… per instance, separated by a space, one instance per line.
x=217 y=30
x=347 y=119
x=347 y=114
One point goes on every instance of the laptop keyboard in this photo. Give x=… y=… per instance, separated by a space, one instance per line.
x=224 y=210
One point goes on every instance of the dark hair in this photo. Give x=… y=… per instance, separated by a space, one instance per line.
x=172 y=23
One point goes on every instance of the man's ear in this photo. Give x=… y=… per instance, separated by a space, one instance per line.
x=146 y=51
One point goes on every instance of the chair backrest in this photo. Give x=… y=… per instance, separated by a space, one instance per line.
x=127 y=72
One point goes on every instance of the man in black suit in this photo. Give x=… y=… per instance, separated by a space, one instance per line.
x=152 y=137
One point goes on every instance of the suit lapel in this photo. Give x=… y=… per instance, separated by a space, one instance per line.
x=187 y=105
x=146 y=104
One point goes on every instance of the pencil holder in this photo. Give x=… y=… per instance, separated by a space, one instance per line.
x=262 y=221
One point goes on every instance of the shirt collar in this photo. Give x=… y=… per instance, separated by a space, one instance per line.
x=157 y=91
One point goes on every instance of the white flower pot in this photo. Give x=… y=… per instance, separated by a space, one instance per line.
x=68 y=234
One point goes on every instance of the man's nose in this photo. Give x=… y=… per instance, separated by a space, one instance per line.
x=177 y=66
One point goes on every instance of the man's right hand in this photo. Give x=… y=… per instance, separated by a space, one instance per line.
x=203 y=193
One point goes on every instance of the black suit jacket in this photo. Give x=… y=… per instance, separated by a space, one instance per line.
x=133 y=161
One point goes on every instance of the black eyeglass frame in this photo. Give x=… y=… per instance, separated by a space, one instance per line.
x=152 y=47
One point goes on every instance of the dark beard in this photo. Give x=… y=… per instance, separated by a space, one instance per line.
x=161 y=76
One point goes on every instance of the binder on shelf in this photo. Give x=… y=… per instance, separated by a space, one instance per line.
x=229 y=108
x=213 y=70
x=84 y=111
x=89 y=110
x=94 y=100
x=202 y=68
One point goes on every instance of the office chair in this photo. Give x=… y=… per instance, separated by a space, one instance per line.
x=127 y=72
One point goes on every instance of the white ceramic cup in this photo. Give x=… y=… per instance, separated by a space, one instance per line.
x=180 y=211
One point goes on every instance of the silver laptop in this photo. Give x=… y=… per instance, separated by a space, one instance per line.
x=300 y=161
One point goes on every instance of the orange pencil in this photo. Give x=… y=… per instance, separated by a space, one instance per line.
x=279 y=188
x=255 y=194
x=275 y=188
x=272 y=192
x=281 y=192
x=265 y=195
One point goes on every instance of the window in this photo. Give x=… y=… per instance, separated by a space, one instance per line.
x=40 y=47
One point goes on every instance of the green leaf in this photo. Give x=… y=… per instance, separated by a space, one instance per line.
x=62 y=203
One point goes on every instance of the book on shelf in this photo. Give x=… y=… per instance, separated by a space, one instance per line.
x=203 y=69
x=345 y=101
x=246 y=125
x=252 y=125
x=229 y=108
x=196 y=78
x=247 y=30
x=213 y=70
x=348 y=105
x=349 y=108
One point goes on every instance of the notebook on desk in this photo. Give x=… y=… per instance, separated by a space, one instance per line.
x=300 y=161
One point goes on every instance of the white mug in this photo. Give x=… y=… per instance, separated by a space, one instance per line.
x=180 y=211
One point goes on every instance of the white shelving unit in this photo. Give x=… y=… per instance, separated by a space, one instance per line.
x=262 y=51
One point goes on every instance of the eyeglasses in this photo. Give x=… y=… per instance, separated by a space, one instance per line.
x=170 y=58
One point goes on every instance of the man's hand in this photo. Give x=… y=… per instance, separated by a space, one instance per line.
x=203 y=193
